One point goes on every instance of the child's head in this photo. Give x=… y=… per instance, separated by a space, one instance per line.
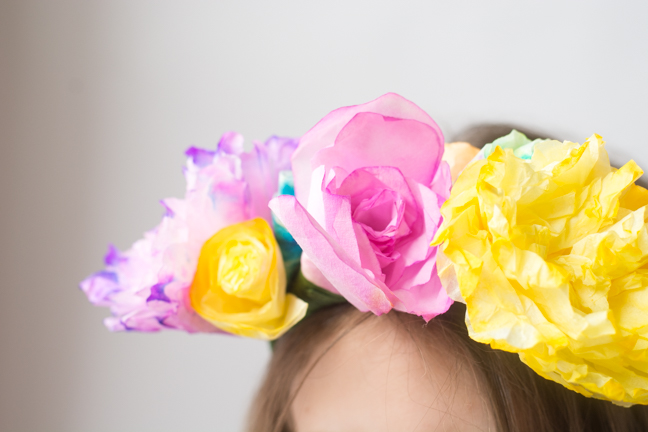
x=343 y=370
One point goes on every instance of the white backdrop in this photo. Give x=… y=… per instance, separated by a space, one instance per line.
x=98 y=100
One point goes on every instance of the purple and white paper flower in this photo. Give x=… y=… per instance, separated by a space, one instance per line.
x=146 y=287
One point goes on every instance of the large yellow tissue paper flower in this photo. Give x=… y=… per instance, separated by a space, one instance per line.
x=550 y=256
x=240 y=283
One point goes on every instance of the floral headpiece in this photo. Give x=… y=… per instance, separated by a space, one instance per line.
x=544 y=242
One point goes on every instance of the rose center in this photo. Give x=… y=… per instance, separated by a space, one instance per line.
x=381 y=214
x=237 y=269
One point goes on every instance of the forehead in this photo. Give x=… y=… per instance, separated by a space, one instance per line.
x=378 y=378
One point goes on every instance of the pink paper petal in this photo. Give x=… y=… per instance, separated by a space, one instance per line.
x=345 y=274
x=371 y=139
x=313 y=274
x=350 y=238
x=430 y=219
x=442 y=182
x=427 y=300
x=324 y=133
x=231 y=143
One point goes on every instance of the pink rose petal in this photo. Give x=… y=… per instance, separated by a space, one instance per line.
x=342 y=271
x=371 y=139
x=323 y=134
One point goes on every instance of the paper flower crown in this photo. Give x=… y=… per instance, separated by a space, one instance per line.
x=545 y=243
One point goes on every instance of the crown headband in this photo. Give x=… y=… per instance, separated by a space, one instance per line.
x=350 y=213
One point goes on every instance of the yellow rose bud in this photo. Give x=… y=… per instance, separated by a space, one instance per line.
x=240 y=283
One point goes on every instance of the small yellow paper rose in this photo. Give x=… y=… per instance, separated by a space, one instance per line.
x=240 y=283
x=550 y=255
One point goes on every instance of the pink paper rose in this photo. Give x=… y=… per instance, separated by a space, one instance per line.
x=369 y=183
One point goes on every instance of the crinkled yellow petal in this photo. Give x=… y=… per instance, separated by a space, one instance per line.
x=293 y=311
x=549 y=252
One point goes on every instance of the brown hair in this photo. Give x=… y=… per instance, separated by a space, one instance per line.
x=519 y=399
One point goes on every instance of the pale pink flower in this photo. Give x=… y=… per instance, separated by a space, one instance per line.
x=369 y=183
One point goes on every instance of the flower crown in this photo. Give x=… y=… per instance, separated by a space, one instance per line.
x=545 y=243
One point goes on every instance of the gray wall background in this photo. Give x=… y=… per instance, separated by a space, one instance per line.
x=98 y=100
